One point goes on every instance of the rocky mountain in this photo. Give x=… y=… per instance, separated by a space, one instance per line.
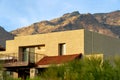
x=4 y=35
x=104 y=23
x=110 y=20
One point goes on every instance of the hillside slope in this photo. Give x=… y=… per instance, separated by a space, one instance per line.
x=104 y=23
x=4 y=35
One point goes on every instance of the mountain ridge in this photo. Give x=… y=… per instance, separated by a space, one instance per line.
x=104 y=23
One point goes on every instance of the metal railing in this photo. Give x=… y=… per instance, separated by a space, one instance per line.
x=12 y=57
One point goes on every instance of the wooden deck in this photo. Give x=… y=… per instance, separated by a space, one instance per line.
x=15 y=64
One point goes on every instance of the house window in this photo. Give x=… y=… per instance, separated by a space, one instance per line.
x=27 y=54
x=62 y=49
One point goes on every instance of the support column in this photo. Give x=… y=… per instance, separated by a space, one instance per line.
x=15 y=75
x=1 y=75
x=32 y=72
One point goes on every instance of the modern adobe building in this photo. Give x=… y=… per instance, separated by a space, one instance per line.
x=24 y=52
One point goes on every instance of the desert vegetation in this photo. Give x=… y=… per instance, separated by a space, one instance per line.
x=84 y=69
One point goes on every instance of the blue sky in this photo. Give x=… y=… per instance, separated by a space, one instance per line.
x=20 y=13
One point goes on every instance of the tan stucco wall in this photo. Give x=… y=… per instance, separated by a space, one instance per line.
x=98 y=43
x=74 y=42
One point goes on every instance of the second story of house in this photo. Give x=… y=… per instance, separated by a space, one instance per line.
x=57 y=43
x=49 y=44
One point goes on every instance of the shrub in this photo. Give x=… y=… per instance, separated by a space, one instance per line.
x=85 y=69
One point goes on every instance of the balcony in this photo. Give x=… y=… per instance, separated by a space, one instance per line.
x=17 y=62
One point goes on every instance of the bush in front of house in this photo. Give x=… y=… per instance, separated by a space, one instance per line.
x=85 y=69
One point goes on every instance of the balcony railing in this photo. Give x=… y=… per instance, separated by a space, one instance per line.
x=12 y=60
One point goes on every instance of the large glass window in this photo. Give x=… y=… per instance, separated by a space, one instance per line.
x=27 y=54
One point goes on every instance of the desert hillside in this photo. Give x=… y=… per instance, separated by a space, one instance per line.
x=104 y=23
x=4 y=35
